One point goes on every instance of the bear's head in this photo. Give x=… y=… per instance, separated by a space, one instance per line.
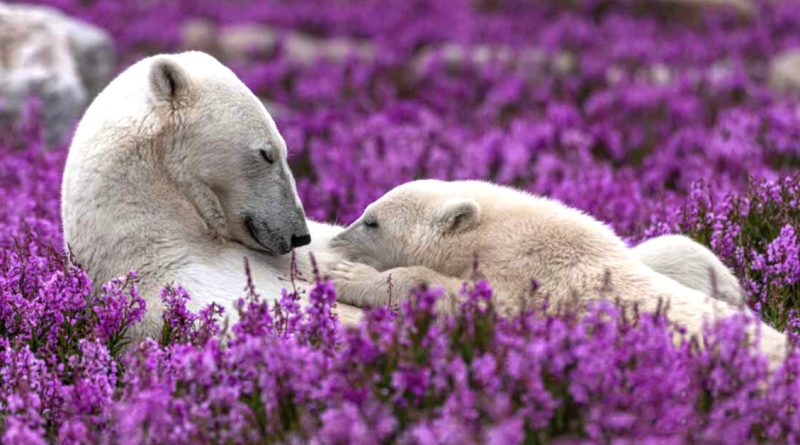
x=425 y=223
x=193 y=124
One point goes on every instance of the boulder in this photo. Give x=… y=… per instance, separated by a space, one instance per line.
x=743 y=7
x=784 y=72
x=529 y=61
x=48 y=54
x=236 y=43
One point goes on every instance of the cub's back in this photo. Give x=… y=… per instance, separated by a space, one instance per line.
x=536 y=226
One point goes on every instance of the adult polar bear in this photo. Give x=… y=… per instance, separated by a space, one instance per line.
x=177 y=171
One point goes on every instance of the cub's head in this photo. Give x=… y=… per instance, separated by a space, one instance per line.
x=224 y=151
x=420 y=223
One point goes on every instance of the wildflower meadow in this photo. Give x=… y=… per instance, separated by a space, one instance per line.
x=655 y=117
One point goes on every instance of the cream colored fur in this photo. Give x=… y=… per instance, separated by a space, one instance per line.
x=430 y=231
x=163 y=164
x=177 y=171
x=692 y=264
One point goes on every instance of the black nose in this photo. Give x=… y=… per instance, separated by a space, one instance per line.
x=302 y=240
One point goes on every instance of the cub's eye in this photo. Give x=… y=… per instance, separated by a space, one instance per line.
x=266 y=156
x=371 y=223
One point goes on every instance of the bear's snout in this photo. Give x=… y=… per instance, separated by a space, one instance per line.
x=340 y=240
x=301 y=240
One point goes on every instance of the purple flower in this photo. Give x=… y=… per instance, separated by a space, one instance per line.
x=118 y=308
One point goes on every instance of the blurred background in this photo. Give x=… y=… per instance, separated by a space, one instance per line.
x=655 y=116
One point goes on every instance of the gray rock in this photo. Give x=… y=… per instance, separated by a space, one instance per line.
x=200 y=35
x=529 y=61
x=240 y=42
x=62 y=60
x=784 y=72
x=743 y=7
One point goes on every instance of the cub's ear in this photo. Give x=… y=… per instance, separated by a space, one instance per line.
x=458 y=215
x=169 y=82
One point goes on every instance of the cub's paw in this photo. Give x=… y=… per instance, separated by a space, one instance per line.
x=347 y=271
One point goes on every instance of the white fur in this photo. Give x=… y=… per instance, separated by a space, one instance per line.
x=164 y=166
x=415 y=235
x=150 y=185
x=691 y=264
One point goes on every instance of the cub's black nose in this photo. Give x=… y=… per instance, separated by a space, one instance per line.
x=302 y=240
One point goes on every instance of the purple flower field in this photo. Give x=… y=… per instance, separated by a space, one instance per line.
x=656 y=119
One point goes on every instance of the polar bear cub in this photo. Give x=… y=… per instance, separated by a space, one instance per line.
x=432 y=231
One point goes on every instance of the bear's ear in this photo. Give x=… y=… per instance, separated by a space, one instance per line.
x=458 y=215
x=168 y=80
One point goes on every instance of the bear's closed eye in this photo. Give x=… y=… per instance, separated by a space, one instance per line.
x=266 y=156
